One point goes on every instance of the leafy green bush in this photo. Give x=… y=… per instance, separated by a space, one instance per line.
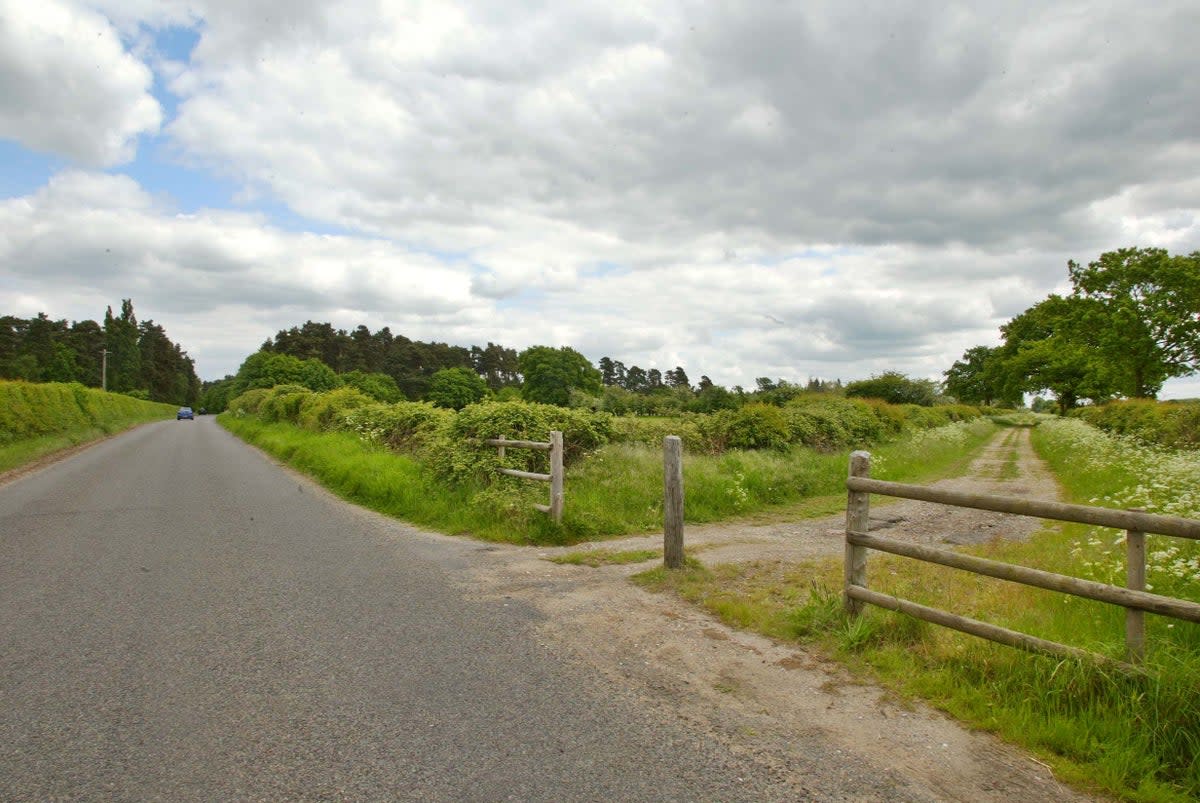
x=455 y=388
x=896 y=388
x=248 y=403
x=33 y=409
x=650 y=431
x=819 y=421
x=1172 y=424
x=282 y=403
x=322 y=411
x=830 y=422
x=403 y=427
x=460 y=452
x=892 y=417
x=755 y=426
x=379 y=386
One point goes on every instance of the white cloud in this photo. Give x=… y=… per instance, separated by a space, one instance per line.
x=744 y=189
x=206 y=275
x=68 y=86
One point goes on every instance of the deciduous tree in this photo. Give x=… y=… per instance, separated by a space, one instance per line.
x=1144 y=315
x=455 y=388
x=551 y=373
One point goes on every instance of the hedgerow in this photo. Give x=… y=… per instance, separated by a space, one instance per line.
x=323 y=411
x=461 y=452
x=1172 y=424
x=403 y=427
x=32 y=409
x=650 y=431
x=452 y=445
x=821 y=422
x=283 y=402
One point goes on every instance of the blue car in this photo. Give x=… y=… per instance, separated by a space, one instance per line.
x=185 y=412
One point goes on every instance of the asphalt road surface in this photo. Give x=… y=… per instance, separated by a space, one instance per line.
x=184 y=620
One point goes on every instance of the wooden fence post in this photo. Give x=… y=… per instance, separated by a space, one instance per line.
x=556 y=476
x=673 y=502
x=858 y=519
x=1135 y=579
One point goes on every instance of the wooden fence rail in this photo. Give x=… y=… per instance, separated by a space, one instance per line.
x=555 y=447
x=1133 y=598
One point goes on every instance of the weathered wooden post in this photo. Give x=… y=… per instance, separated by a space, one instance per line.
x=673 y=502
x=556 y=476
x=858 y=519
x=1135 y=579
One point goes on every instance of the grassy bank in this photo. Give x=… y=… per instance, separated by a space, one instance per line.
x=614 y=491
x=1135 y=736
x=37 y=419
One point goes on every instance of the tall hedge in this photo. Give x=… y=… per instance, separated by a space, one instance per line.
x=1175 y=425
x=31 y=409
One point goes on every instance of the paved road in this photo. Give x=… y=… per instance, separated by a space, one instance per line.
x=182 y=619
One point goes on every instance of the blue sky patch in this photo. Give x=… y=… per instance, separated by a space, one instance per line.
x=23 y=171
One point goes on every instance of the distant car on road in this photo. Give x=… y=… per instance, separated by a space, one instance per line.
x=185 y=412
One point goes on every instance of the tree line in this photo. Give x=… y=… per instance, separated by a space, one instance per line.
x=140 y=361
x=1131 y=321
x=392 y=367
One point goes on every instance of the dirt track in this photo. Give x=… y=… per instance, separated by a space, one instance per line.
x=780 y=704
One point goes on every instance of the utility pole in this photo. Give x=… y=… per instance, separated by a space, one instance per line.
x=104 y=370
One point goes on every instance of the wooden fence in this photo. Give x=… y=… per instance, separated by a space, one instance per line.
x=555 y=477
x=1134 y=598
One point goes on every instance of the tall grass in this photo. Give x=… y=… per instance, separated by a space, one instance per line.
x=1135 y=735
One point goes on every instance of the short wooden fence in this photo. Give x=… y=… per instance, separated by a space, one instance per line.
x=1134 y=598
x=555 y=477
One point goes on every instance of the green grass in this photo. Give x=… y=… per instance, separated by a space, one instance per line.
x=1136 y=736
x=18 y=453
x=603 y=557
x=615 y=491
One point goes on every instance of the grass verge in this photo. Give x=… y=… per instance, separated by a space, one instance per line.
x=606 y=557
x=1136 y=736
x=27 y=450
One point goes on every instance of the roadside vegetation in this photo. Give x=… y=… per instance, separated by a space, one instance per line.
x=1174 y=424
x=430 y=465
x=37 y=419
x=1135 y=735
x=133 y=357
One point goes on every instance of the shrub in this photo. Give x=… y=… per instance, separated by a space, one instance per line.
x=831 y=422
x=756 y=426
x=282 y=403
x=322 y=411
x=651 y=431
x=380 y=387
x=249 y=402
x=1171 y=424
x=30 y=410
x=403 y=427
x=455 y=388
x=892 y=417
x=895 y=387
x=460 y=452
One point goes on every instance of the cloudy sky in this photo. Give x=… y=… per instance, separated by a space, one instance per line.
x=775 y=188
